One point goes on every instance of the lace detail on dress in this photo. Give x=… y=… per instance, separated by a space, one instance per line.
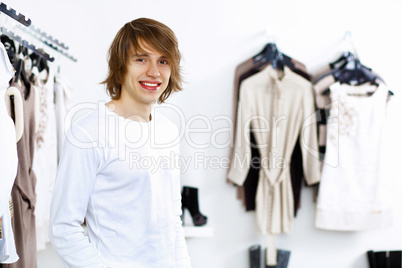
x=43 y=117
x=343 y=117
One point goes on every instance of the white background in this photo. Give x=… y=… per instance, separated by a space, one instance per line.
x=214 y=37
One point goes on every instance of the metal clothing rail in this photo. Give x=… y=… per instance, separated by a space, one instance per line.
x=26 y=44
x=13 y=14
x=54 y=43
x=48 y=37
x=61 y=51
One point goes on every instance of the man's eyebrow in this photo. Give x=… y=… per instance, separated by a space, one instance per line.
x=140 y=55
x=146 y=55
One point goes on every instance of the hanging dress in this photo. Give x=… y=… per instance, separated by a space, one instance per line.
x=279 y=106
x=8 y=163
x=63 y=96
x=45 y=162
x=23 y=192
x=351 y=185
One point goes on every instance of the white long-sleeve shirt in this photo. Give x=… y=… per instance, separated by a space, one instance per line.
x=119 y=175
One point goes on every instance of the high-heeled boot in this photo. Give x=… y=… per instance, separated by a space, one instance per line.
x=254 y=255
x=189 y=200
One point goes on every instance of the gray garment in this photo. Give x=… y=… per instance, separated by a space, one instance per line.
x=23 y=192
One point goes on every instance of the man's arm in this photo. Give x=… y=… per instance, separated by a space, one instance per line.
x=181 y=254
x=73 y=187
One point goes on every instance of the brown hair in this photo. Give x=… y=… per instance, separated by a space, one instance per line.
x=155 y=34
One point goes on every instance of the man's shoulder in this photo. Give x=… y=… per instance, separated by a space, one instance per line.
x=89 y=120
x=87 y=124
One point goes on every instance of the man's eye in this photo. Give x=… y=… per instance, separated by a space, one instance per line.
x=163 y=62
x=140 y=60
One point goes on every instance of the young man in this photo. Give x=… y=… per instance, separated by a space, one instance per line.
x=132 y=208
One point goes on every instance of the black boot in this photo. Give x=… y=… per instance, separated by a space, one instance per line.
x=254 y=254
x=189 y=200
x=385 y=259
x=282 y=259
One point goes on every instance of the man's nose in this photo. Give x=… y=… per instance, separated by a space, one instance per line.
x=153 y=70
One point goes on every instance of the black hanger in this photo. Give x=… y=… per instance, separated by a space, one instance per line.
x=267 y=54
x=39 y=62
x=20 y=74
x=9 y=45
x=353 y=72
x=271 y=54
x=341 y=61
x=278 y=62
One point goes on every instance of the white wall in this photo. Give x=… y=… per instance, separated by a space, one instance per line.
x=214 y=37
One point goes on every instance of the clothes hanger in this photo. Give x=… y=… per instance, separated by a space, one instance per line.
x=9 y=45
x=354 y=73
x=341 y=61
x=348 y=68
x=278 y=62
x=20 y=73
x=270 y=54
x=38 y=65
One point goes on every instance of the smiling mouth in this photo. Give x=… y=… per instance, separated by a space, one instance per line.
x=150 y=85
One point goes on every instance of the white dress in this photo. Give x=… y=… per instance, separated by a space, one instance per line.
x=45 y=160
x=63 y=96
x=350 y=193
x=8 y=162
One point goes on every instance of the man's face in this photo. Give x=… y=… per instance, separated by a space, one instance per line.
x=147 y=76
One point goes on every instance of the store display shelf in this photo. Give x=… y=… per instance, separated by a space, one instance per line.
x=201 y=231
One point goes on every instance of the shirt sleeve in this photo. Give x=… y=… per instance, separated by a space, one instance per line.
x=75 y=180
x=181 y=254
x=241 y=157
x=309 y=140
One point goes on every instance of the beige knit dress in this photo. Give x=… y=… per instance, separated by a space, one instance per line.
x=279 y=106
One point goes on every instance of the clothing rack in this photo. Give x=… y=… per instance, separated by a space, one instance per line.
x=54 y=43
x=61 y=51
x=13 y=14
x=26 y=44
x=41 y=35
x=47 y=36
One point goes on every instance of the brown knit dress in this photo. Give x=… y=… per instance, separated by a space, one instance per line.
x=23 y=192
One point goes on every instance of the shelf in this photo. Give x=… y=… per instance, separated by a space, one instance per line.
x=202 y=231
